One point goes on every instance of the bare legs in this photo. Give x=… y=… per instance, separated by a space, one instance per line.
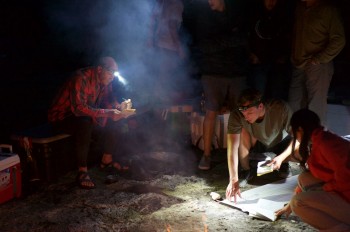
x=246 y=143
x=208 y=130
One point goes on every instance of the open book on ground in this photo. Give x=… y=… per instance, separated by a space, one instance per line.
x=262 y=202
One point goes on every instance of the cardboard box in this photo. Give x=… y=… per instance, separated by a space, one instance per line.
x=220 y=136
x=10 y=176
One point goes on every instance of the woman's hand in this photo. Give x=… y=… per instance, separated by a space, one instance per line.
x=287 y=210
x=276 y=162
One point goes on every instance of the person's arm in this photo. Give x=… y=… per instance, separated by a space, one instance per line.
x=277 y=161
x=287 y=210
x=336 y=40
x=79 y=102
x=233 y=189
x=79 y=89
x=286 y=115
x=174 y=32
x=335 y=152
x=174 y=26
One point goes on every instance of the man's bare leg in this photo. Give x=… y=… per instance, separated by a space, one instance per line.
x=208 y=133
x=246 y=143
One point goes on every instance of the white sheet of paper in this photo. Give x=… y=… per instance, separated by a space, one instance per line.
x=263 y=201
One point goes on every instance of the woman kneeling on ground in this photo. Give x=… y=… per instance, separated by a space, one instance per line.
x=322 y=196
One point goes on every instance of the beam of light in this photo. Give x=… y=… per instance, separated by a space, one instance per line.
x=120 y=78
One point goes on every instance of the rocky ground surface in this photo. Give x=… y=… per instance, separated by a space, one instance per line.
x=163 y=191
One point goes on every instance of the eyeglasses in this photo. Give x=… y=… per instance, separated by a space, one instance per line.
x=244 y=108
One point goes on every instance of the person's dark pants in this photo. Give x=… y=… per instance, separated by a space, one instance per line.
x=259 y=149
x=84 y=131
x=277 y=149
x=271 y=79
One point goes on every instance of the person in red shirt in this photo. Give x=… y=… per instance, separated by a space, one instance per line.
x=82 y=108
x=322 y=197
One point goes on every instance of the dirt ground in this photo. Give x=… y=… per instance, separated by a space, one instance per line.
x=163 y=191
x=169 y=200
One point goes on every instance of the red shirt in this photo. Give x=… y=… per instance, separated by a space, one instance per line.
x=330 y=161
x=83 y=95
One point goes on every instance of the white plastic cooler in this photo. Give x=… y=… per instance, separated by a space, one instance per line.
x=10 y=174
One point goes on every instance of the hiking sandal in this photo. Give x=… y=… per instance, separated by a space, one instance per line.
x=83 y=178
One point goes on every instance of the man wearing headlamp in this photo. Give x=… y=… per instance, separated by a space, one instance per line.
x=256 y=126
x=83 y=106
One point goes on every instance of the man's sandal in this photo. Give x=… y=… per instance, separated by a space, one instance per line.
x=83 y=178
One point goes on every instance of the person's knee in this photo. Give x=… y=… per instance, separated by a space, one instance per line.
x=246 y=141
x=295 y=204
x=302 y=176
x=210 y=116
x=299 y=202
x=306 y=179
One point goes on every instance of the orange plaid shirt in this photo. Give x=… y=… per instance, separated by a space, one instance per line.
x=83 y=95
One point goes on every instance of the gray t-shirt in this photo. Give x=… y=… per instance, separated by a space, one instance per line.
x=271 y=130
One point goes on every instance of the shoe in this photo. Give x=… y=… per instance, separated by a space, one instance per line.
x=83 y=178
x=245 y=176
x=204 y=164
x=285 y=171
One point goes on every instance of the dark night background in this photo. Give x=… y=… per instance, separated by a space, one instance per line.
x=41 y=41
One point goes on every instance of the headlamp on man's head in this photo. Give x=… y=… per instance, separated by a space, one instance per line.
x=120 y=78
x=244 y=108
